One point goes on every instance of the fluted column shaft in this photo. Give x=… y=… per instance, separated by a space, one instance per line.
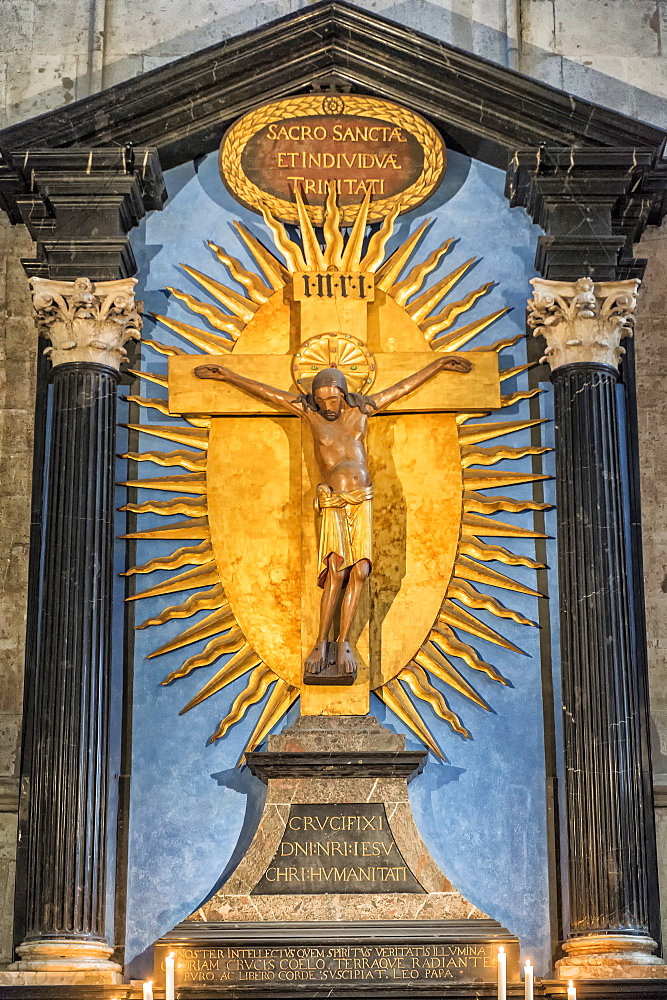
x=606 y=840
x=67 y=850
x=605 y=735
x=87 y=324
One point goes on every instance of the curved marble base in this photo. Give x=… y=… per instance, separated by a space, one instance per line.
x=611 y=956
x=64 y=960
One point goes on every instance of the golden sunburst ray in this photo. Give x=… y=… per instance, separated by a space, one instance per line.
x=448 y=316
x=478 y=479
x=202 y=576
x=489 y=456
x=240 y=306
x=447 y=641
x=403 y=290
x=458 y=338
x=518 y=397
x=355 y=241
x=290 y=250
x=195 y=528
x=177 y=434
x=475 y=524
x=420 y=307
x=194 y=483
x=468 y=569
x=220 y=621
x=430 y=658
x=275 y=273
x=378 y=241
x=469 y=545
x=477 y=503
x=241 y=663
x=220 y=629
x=148 y=404
x=209 y=343
x=204 y=601
x=211 y=313
x=416 y=679
x=169 y=349
x=454 y=616
x=191 y=555
x=279 y=702
x=387 y=275
x=194 y=461
x=499 y=345
x=463 y=591
x=255 y=288
x=396 y=699
x=167 y=508
x=311 y=248
x=149 y=377
x=333 y=238
x=230 y=642
x=259 y=682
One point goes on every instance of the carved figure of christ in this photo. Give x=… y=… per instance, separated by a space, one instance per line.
x=338 y=422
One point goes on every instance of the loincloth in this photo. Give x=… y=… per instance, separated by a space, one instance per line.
x=346 y=528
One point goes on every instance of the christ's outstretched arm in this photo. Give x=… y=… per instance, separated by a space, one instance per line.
x=287 y=400
x=447 y=363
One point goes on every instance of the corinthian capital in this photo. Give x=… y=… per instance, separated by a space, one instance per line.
x=87 y=320
x=582 y=321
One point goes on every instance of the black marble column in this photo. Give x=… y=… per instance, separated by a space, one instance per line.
x=602 y=712
x=67 y=829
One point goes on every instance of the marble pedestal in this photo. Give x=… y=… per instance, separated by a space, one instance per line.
x=337 y=886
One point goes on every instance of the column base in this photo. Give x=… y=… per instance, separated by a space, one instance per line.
x=61 y=961
x=611 y=956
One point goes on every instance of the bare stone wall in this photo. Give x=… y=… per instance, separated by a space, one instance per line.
x=651 y=366
x=18 y=353
x=610 y=51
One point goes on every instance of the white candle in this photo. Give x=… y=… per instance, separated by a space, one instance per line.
x=148 y=990
x=571 y=991
x=502 y=974
x=528 y=981
x=169 y=965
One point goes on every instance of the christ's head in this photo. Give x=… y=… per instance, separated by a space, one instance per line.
x=329 y=394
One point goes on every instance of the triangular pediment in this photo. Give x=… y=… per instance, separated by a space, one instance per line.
x=183 y=108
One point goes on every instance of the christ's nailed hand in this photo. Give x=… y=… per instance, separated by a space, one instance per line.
x=456 y=365
x=211 y=371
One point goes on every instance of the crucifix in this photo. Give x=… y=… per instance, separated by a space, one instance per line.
x=333 y=354
x=338 y=421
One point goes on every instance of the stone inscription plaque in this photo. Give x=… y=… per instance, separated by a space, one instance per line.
x=359 y=145
x=446 y=963
x=337 y=848
x=353 y=152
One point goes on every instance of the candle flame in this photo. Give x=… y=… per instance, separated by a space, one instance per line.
x=571 y=985
x=528 y=965
x=501 y=951
x=171 y=955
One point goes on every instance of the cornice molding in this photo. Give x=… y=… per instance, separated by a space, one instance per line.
x=591 y=177
x=78 y=206
x=184 y=107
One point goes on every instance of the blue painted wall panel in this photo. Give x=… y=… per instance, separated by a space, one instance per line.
x=482 y=815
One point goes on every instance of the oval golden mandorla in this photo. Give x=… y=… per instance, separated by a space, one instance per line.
x=432 y=510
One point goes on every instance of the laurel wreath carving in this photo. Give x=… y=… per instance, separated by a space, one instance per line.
x=236 y=139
